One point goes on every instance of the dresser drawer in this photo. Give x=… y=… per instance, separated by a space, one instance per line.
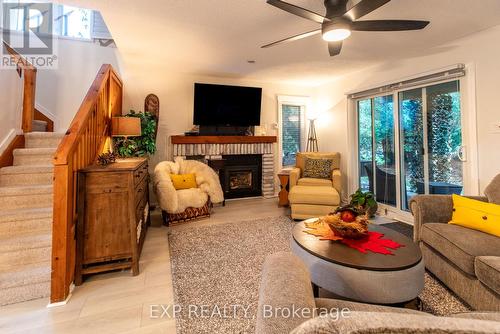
x=140 y=173
x=141 y=191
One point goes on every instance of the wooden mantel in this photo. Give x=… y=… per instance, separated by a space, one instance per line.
x=223 y=139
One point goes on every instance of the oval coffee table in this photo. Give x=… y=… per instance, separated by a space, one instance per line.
x=371 y=277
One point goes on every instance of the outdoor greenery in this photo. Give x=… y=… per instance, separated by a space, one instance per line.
x=443 y=135
x=291 y=133
x=139 y=146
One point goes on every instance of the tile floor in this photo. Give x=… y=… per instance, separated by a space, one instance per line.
x=118 y=302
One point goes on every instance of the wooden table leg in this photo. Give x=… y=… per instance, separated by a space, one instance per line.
x=283 y=194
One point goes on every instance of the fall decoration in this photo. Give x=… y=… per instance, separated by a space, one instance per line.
x=372 y=241
x=106 y=158
x=365 y=202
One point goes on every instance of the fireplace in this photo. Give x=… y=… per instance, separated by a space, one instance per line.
x=249 y=159
x=241 y=175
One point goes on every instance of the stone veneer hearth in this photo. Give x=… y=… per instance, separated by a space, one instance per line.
x=217 y=150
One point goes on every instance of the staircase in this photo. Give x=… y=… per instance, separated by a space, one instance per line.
x=26 y=219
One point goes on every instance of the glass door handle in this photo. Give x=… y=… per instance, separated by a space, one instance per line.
x=462 y=153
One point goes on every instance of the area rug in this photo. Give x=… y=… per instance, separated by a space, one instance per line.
x=216 y=275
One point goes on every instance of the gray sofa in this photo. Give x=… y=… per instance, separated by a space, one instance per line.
x=287 y=305
x=466 y=260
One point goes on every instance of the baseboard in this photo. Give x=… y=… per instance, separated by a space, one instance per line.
x=8 y=139
x=12 y=142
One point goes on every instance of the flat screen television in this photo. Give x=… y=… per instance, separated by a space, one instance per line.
x=220 y=105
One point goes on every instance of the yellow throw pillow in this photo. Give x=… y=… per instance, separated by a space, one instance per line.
x=183 y=181
x=476 y=215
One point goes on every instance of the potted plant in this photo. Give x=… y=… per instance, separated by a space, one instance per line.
x=364 y=201
x=143 y=145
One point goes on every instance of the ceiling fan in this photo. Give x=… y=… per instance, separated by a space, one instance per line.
x=339 y=21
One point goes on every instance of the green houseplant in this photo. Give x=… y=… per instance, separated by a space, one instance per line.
x=364 y=201
x=139 y=146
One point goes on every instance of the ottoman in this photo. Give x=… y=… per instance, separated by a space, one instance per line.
x=312 y=201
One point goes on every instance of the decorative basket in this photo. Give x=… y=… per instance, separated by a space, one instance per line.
x=358 y=229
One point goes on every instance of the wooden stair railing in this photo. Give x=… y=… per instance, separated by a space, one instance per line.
x=87 y=137
x=29 y=82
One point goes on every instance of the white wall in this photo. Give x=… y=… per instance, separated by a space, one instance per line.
x=10 y=106
x=61 y=91
x=176 y=93
x=480 y=52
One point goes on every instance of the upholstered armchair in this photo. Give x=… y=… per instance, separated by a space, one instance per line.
x=186 y=204
x=313 y=197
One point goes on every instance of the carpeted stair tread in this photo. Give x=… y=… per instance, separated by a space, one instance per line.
x=34 y=151
x=39 y=125
x=24 y=242
x=25 y=214
x=26 y=190
x=28 y=169
x=24 y=275
x=43 y=139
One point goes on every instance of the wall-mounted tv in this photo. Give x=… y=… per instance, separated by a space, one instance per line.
x=220 y=105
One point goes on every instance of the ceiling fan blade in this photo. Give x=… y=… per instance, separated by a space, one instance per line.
x=334 y=48
x=389 y=25
x=293 y=38
x=364 y=7
x=296 y=10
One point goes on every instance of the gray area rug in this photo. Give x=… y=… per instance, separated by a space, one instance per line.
x=220 y=265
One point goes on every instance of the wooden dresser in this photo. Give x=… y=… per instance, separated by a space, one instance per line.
x=113 y=216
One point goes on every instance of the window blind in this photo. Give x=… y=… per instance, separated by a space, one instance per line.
x=453 y=72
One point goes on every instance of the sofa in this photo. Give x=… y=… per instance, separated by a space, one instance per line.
x=186 y=204
x=465 y=260
x=314 y=197
x=286 y=305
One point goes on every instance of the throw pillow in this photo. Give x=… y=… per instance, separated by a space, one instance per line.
x=476 y=215
x=318 y=168
x=492 y=191
x=183 y=181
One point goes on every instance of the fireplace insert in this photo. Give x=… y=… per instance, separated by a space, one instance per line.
x=241 y=176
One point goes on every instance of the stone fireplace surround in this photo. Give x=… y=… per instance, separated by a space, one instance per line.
x=214 y=147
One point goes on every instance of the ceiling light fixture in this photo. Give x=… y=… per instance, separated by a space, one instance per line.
x=336 y=31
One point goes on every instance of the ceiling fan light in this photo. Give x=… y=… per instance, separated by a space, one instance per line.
x=336 y=35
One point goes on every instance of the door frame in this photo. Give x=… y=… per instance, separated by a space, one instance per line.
x=469 y=140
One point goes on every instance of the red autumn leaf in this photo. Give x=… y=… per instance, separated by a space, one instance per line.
x=374 y=243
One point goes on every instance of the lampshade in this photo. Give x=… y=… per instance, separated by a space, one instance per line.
x=126 y=127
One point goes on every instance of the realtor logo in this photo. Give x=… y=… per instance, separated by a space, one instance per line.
x=27 y=27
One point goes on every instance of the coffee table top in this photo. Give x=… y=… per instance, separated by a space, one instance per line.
x=336 y=252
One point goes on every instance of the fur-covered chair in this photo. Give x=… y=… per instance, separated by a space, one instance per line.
x=186 y=204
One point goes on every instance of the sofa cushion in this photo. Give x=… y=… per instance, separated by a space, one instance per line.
x=359 y=322
x=302 y=156
x=314 y=195
x=492 y=191
x=476 y=215
x=488 y=272
x=190 y=198
x=479 y=315
x=339 y=304
x=459 y=244
x=311 y=181
x=318 y=168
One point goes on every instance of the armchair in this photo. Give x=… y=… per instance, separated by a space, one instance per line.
x=186 y=204
x=313 y=197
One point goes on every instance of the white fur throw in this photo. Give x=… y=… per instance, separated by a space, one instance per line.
x=176 y=201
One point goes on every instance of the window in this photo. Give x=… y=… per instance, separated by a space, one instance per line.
x=410 y=142
x=292 y=121
x=72 y=22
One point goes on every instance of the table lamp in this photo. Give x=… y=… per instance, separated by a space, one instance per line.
x=125 y=127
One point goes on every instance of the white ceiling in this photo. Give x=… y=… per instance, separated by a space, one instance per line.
x=217 y=37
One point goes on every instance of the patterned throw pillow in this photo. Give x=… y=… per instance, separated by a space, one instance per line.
x=318 y=168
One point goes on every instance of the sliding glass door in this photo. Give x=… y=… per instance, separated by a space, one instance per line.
x=377 y=148
x=413 y=146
